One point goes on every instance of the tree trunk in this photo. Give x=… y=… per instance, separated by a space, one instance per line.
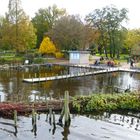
x=114 y=47
x=110 y=40
x=105 y=51
x=118 y=53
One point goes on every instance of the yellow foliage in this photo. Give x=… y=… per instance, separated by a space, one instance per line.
x=59 y=55
x=47 y=46
x=132 y=38
x=116 y=62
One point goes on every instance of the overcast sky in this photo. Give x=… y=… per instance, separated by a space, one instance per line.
x=81 y=7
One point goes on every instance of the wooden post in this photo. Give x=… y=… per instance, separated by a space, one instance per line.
x=33 y=114
x=15 y=117
x=54 y=119
x=34 y=122
x=66 y=109
x=15 y=121
x=61 y=117
x=46 y=116
x=50 y=116
x=54 y=126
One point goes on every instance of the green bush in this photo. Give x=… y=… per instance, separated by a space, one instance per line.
x=107 y=102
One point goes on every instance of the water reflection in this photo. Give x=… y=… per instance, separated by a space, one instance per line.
x=14 y=132
x=2 y=96
x=97 y=126
x=11 y=82
x=127 y=120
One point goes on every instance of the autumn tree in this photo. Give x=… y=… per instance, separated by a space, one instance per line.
x=47 y=46
x=132 y=39
x=45 y=19
x=5 y=32
x=14 y=15
x=17 y=31
x=69 y=33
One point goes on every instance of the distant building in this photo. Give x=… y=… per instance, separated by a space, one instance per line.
x=79 y=57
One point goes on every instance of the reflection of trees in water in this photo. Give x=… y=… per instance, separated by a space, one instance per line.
x=123 y=120
x=65 y=133
x=70 y=84
x=11 y=81
x=14 y=132
x=12 y=84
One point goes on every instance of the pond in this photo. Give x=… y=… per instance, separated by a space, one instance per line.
x=11 y=83
x=93 y=127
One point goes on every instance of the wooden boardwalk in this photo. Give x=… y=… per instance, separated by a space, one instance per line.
x=107 y=70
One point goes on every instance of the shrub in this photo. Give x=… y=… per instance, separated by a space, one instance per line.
x=59 y=55
x=107 y=102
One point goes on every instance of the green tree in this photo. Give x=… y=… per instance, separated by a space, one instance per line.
x=96 y=21
x=108 y=21
x=45 y=19
x=114 y=18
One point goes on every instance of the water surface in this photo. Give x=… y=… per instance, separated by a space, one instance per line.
x=12 y=87
x=93 y=127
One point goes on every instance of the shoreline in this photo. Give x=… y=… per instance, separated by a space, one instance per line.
x=78 y=105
